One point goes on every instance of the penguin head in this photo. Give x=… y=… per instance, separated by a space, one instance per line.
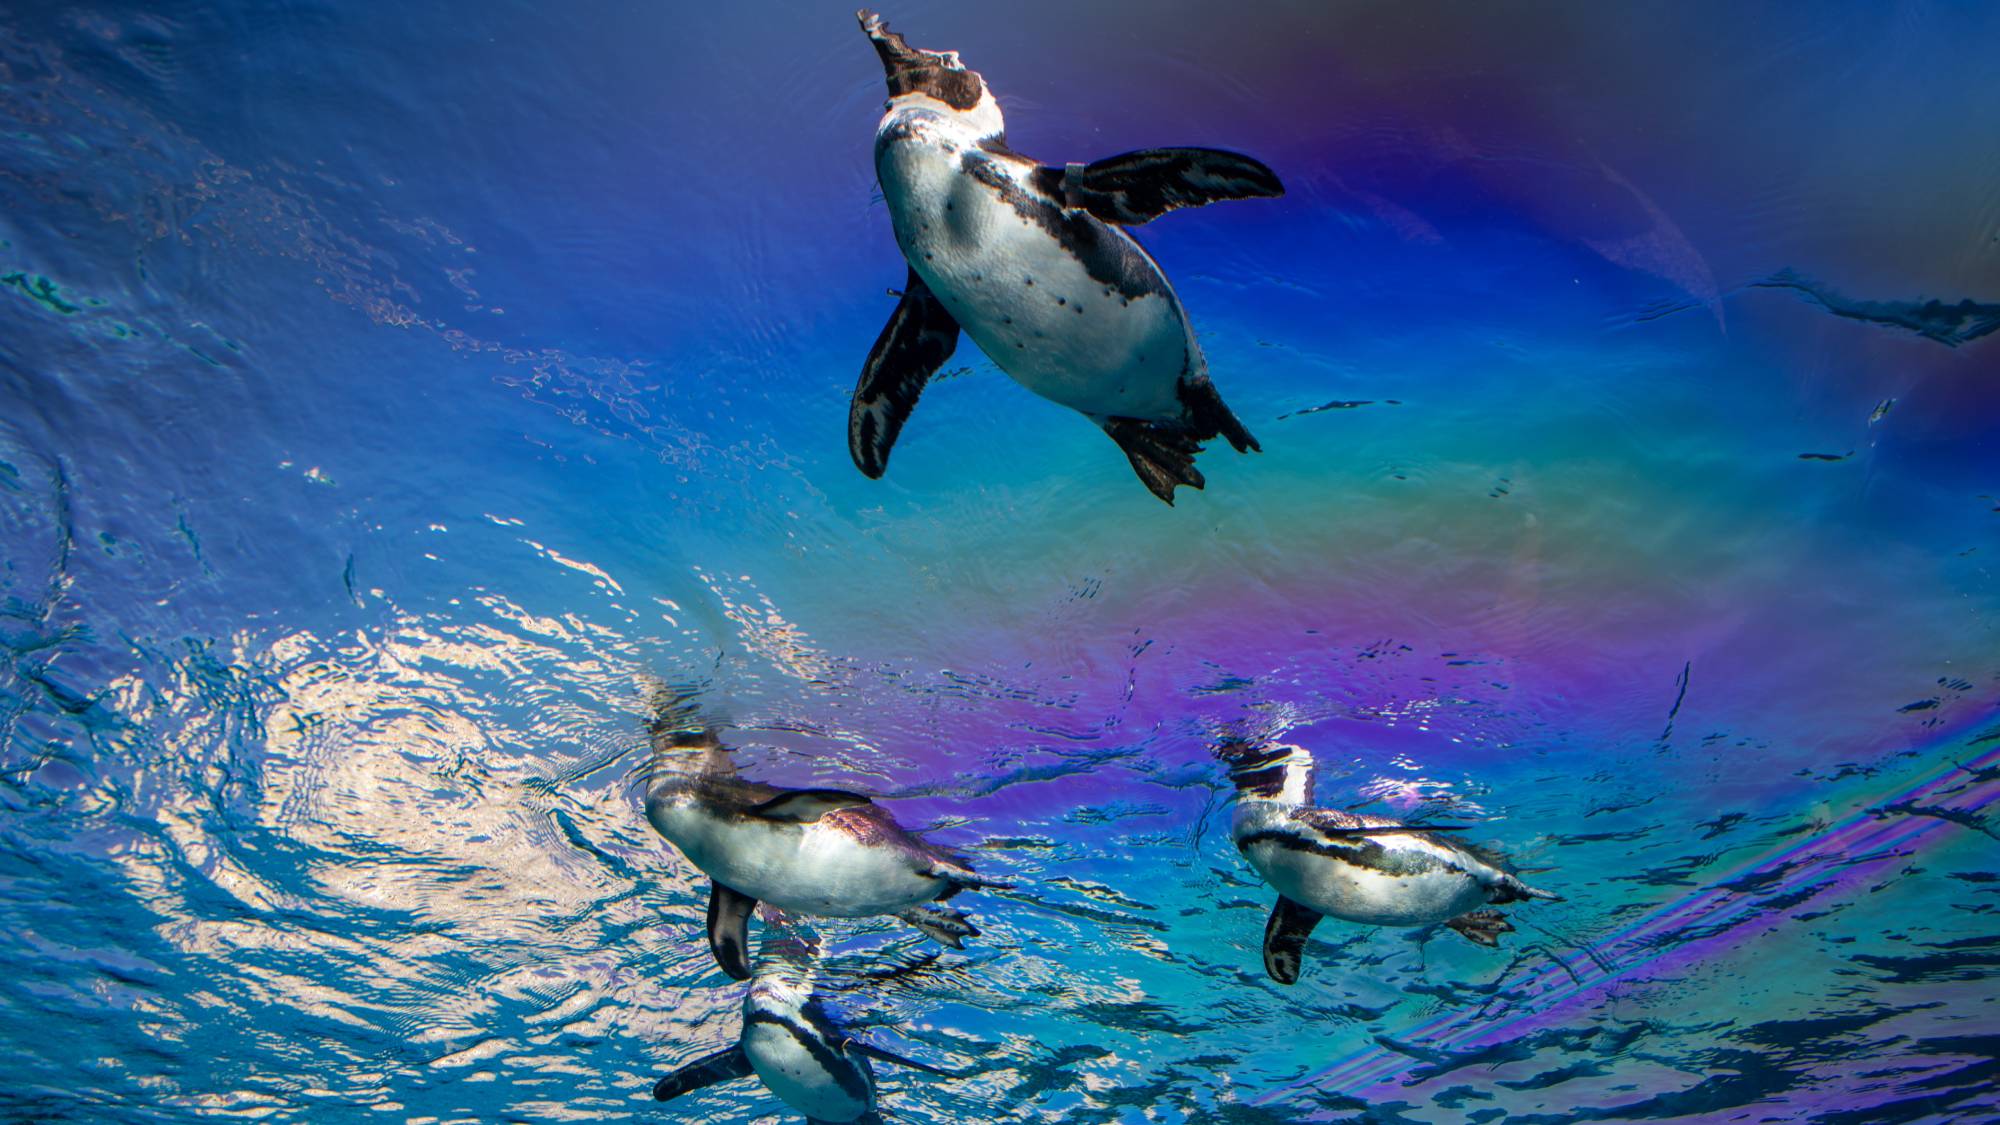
x=684 y=748
x=781 y=985
x=1276 y=771
x=938 y=75
x=789 y=946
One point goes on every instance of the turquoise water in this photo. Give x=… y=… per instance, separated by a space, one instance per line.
x=391 y=400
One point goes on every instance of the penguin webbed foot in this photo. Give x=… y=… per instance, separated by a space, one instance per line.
x=1482 y=927
x=1163 y=458
x=941 y=924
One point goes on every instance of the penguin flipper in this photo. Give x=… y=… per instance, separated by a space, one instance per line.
x=880 y=1055
x=1163 y=457
x=941 y=924
x=729 y=929
x=1138 y=187
x=1482 y=927
x=1335 y=825
x=1387 y=829
x=803 y=806
x=722 y=1066
x=1285 y=939
x=919 y=337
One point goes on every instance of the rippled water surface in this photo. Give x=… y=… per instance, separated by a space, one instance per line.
x=393 y=397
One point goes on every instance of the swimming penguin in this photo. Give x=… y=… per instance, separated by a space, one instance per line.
x=793 y=1046
x=812 y=851
x=1031 y=260
x=1357 y=868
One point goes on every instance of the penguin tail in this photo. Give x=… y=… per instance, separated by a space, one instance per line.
x=964 y=878
x=1163 y=453
x=1510 y=889
x=1208 y=416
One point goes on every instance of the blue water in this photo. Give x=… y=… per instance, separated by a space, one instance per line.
x=393 y=398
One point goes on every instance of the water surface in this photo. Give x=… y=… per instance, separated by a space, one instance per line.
x=391 y=398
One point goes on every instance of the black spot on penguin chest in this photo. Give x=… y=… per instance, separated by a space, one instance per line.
x=1111 y=258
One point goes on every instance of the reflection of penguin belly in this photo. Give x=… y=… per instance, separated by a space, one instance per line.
x=804 y=1071
x=816 y=868
x=1350 y=890
x=1023 y=295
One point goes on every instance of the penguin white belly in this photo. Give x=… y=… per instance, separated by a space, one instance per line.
x=789 y=1069
x=815 y=868
x=1354 y=893
x=1024 y=298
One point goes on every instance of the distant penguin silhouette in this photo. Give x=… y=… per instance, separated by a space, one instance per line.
x=793 y=1046
x=811 y=851
x=1031 y=260
x=1368 y=869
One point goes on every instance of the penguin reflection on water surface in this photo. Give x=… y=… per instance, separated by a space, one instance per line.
x=1368 y=869
x=1031 y=260
x=822 y=852
x=793 y=1045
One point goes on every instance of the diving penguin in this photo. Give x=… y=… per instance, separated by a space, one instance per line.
x=793 y=1046
x=1032 y=261
x=812 y=851
x=1357 y=868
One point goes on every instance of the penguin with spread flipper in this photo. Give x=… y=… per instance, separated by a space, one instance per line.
x=1033 y=262
x=810 y=851
x=1368 y=869
x=793 y=1045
